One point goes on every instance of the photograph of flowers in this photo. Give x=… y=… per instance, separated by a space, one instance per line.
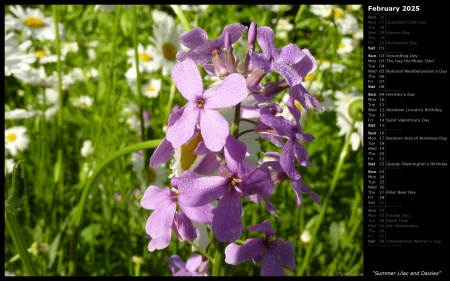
x=183 y=140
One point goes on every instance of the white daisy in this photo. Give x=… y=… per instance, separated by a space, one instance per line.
x=149 y=60
x=156 y=176
x=19 y=113
x=166 y=39
x=38 y=77
x=44 y=56
x=9 y=165
x=16 y=59
x=151 y=88
x=325 y=64
x=109 y=8
x=16 y=139
x=345 y=22
x=283 y=24
x=83 y=101
x=33 y=22
x=159 y=16
x=194 y=8
x=349 y=107
x=346 y=46
x=69 y=47
x=324 y=11
x=87 y=148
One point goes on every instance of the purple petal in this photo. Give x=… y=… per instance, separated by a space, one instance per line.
x=174 y=116
x=237 y=254
x=227 y=223
x=193 y=262
x=301 y=154
x=182 y=130
x=195 y=38
x=199 y=56
x=306 y=65
x=282 y=126
x=183 y=227
x=294 y=110
x=265 y=226
x=299 y=187
x=261 y=62
x=175 y=181
x=230 y=92
x=266 y=42
x=287 y=160
x=275 y=165
x=161 y=242
x=288 y=73
x=201 y=191
x=271 y=264
x=235 y=31
x=154 y=196
x=187 y=78
x=287 y=250
x=159 y=223
x=258 y=181
x=234 y=152
x=201 y=149
x=162 y=153
x=209 y=68
x=290 y=54
x=175 y=261
x=201 y=214
x=214 y=129
x=270 y=207
x=301 y=95
x=208 y=165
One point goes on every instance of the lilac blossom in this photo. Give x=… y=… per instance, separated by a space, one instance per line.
x=165 y=216
x=279 y=60
x=298 y=186
x=274 y=127
x=201 y=106
x=232 y=183
x=202 y=48
x=277 y=253
x=194 y=266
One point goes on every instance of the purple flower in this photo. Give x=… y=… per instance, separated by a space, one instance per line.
x=233 y=182
x=201 y=106
x=202 y=48
x=274 y=127
x=298 y=186
x=165 y=216
x=277 y=253
x=279 y=60
x=305 y=66
x=194 y=266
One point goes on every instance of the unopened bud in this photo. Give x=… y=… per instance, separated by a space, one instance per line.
x=252 y=31
x=255 y=77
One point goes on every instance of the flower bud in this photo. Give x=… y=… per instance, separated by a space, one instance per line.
x=252 y=31
x=255 y=77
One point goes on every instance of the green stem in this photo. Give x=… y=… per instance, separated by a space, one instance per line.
x=322 y=212
x=299 y=13
x=19 y=242
x=218 y=258
x=237 y=118
x=78 y=217
x=181 y=16
x=58 y=168
x=201 y=251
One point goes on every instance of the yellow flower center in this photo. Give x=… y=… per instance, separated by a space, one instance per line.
x=11 y=137
x=40 y=53
x=341 y=46
x=356 y=109
x=169 y=51
x=309 y=78
x=151 y=174
x=151 y=89
x=145 y=57
x=187 y=152
x=34 y=22
x=338 y=13
x=298 y=105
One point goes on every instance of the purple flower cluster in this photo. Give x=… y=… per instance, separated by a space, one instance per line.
x=209 y=189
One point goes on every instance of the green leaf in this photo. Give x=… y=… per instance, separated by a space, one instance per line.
x=18 y=193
